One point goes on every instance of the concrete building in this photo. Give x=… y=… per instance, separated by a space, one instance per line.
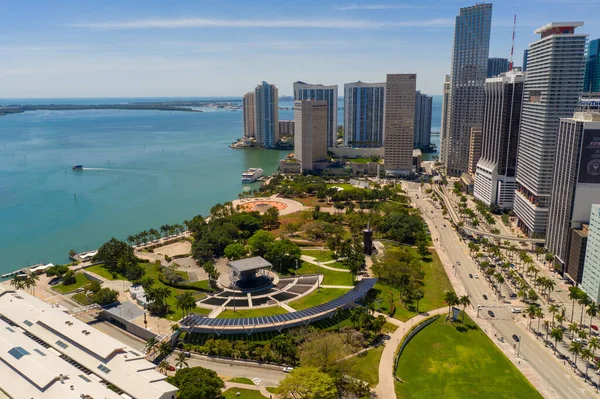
x=552 y=88
x=496 y=66
x=474 y=148
x=41 y=343
x=470 y=53
x=310 y=137
x=576 y=256
x=591 y=81
x=496 y=170
x=266 y=116
x=364 y=108
x=590 y=281
x=248 y=110
x=286 y=128
x=399 y=123
x=444 y=121
x=307 y=91
x=525 y=57
x=423 y=107
x=576 y=181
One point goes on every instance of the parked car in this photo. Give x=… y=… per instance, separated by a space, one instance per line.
x=170 y=368
x=515 y=337
x=549 y=344
x=187 y=354
x=476 y=276
x=457 y=263
x=491 y=313
x=594 y=327
x=516 y=310
x=513 y=295
x=580 y=340
x=288 y=369
x=485 y=297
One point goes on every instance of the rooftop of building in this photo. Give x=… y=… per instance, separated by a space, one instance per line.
x=508 y=77
x=364 y=84
x=248 y=264
x=299 y=82
x=554 y=25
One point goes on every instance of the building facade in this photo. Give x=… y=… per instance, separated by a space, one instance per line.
x=444 y=121
x=364 y=108
x=286 y=128
x=553 y=84
x=310 y=137
x=495 y=177
x=474 y=148
x=248 y=110
x=525 y=57
x=591 y=81
x=590 y=281
x=496 y=66
x=307 y=91
x=469 y=66
x=266 y=115
x=399 y=123
x=576 y=181
x=422 y=137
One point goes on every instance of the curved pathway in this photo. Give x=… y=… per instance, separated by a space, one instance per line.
x=312 y=261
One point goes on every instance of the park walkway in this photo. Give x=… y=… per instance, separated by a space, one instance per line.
x=324 y=265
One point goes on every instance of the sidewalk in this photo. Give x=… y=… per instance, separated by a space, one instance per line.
x=312 y=261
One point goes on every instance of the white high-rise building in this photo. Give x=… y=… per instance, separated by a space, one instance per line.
x=470 y=52
x=248 y=110
x=495 y=177
x=307 y=91
x=364 y=109
x=423 y=104
x=590 y=282
x=553 y=84
x=266 y=115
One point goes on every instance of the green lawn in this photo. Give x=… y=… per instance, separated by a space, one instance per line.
x=323 y=256
x=345 y=186
x=443 y=362
x=242 y=380
x=436 y=284
x=317 y=298
x=268 y=311
x=81 y=280
x=271 y=389
x=104 y=272
x=365 y=366
x=231 y=393
x=81 y=298
x=330 y=277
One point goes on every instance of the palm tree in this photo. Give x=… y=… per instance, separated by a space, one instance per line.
x=586 y=355
x=164 y=349
x=175 y=327
x=500 y=279
x=181 y=360
x=573 y=328
x=150 y=344
x=464 y=301
x=418 y=295
x=31 y=281
x=592 y=311
x=553 y=309
x=557 y=334
x=550 y=284
x=575 y=349
x=583 y=301
x=593 y=345
x=17 y=282
x=574 y=294
x=451 y=299
x=163 y=366
x=531 y=313
x=540 y=315
x=547 y=327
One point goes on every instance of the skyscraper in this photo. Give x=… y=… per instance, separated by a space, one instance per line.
x=364 y=108
x=422 y=138
x=474 y=148
x=307 y=91
x=496 y=66
x=444 y=122
x=266 y=116
x=399 y=123
x=576 y=181
x=310 y=136
x=552 y=88
x=590 y=282
x=248 y=110
x=591 y=82
x=496 y=170
x=470 y=53
x=525 y=57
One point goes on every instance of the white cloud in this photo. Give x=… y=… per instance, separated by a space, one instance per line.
x=352 y=7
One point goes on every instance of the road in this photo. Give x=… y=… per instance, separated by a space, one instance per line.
x=561 y=380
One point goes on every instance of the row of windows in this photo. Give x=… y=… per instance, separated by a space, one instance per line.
x=62 y=344
x=18 y=352
x=104 y=369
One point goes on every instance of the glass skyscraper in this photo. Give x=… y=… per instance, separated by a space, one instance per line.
x=591 y=82
x=266 y=115
x=363 y=114
x=496 y=66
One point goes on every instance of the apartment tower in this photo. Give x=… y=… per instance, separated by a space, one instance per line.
x=444 y=121
x=310 y=136
x=364 y=108
x=590 y=281
x=553 y=84
x=266 y=115
x=474 y=148
x=399 y=123
x=469 y=66
x=591 y=81
x=496 y=66
x=248 y=110
x=307 y=91
x=495 y=177
x=422 y=137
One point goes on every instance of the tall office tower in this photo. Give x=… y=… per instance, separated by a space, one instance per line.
x=474 y=148
x=266 y=115
x=399 y=123
x=422 y=137
x=591 y=81
x=590 y=281
x=286 y=128
x=364 y=107
x=470 y=53
x=496 y=66
x=310 y=136
x=576 y=181
x=525 y=57
x=248 y=110
x=552 y=88
x=444 y=121
x=496 y=170
x=306 y=91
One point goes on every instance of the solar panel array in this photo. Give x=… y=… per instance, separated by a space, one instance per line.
x=357 y=292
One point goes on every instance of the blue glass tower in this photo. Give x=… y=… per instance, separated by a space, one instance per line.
x=591 y=82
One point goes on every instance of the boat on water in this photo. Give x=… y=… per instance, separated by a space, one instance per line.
x=252 y=175
x=77 y=167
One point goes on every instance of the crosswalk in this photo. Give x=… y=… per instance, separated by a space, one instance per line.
x=256 y=381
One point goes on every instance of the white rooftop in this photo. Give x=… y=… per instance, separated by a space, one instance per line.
x=553 y=25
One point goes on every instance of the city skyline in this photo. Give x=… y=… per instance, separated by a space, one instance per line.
x=186 y=49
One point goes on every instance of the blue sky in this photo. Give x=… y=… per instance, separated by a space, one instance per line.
x=74 y=48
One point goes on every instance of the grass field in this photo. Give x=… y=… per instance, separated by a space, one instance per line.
x=345 y=186
x=323 y=256
x=308 y=201
x=104 y=272
x=232 y=393
x=272 y=389
x=80 y=281
x=443 y=362
x=365 y=366
x=242 y=380
x=81 y=298
x=330 y=277
x=435 y=285
x=317 y=297
x=268 y=311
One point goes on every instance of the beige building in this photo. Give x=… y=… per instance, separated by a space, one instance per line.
x=399 y=123
x=475 y=148
x=310 y=138
x=248 y=110
x=286 y=128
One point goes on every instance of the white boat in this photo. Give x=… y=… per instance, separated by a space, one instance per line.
x=252 y=175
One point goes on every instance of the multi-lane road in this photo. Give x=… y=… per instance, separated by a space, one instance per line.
x=559 y=379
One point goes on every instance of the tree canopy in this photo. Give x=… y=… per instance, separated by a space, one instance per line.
x=197 y=383
x=307 y=383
